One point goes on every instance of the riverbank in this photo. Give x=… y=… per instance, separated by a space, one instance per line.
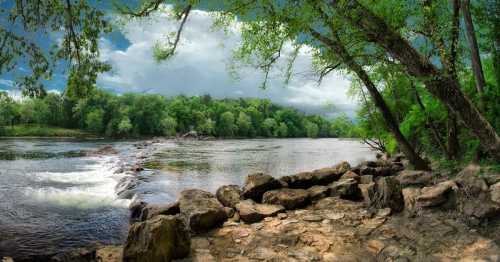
x=375 y=211
x=38 y=131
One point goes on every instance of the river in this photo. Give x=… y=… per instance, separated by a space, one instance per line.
x=54 y=198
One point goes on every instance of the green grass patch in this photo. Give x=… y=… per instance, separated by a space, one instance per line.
x=41 y=131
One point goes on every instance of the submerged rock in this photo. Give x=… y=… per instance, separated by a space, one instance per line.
x=229 y=195
x=201 y=210
x=251 y=212
x=287 y=197
x=257 y=184
x=162 y=238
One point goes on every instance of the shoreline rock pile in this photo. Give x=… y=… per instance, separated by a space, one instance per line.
x=383 y=185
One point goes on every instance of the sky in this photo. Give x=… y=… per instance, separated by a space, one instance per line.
x=200 y=66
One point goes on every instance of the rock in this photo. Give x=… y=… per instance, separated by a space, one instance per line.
x=366 y=179
x=437 y=194
x=410 y=195
x=495 y=192
x=105 y=150
x=388 y=194
x=7 y=259
x=384 y=212
x=77 y=255
x=350 y=174
x=474 y=197
x=257 y=184
x=229 y=195
x=346 y=189
x=162 y=238
x=318 y=192
x=367 y=192
x=414 y=177
x=201 y=210
x=136 y=208
x=251 y=212
x=322 y=176
x=151 y=211
x=110 y=254
x=229 y=211
x=287 y=197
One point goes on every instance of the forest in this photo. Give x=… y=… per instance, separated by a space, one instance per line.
x=135 y=115
x=426 y=73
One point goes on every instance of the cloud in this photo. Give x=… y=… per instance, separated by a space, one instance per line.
x=200 y=66
x=6 y=83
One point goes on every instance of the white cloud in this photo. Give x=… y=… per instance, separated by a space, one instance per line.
x=200 y=67
x=6 y=83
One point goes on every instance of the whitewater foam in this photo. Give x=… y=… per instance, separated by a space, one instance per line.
x=91 y=187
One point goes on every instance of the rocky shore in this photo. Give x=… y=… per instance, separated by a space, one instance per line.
x=376 y=211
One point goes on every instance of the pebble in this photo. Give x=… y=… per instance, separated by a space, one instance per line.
x=282 y=215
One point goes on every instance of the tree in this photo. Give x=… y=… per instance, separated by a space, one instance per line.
x=282 y=130
x=269 y=127
x=312 y=129
x=244 y=125
x=169 y=124
x=94 y=121
x=226 y=124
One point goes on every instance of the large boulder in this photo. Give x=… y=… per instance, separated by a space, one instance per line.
x=150 y=211
x=414 y=177
x=201 y=210
x=388 y=194
x=437 y=195
x=251 y=212
x=346 y=189
x=474 y=197
x=162 y=238
x=323 y=176
x=229 y=195
x=495 y=193
x=287 y=197
x=349 y=174
x=410 y=195
x=367 y=192
x=257 y=184
x=318 y=192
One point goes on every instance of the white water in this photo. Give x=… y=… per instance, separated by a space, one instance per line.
x=92 y=188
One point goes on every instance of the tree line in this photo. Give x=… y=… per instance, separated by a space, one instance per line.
x=134 y=115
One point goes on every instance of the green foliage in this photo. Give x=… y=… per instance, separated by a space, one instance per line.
x=132 y=115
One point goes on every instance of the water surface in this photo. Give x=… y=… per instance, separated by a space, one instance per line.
x=53 y=198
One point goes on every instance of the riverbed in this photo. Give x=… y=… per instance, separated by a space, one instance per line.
x=54 y=198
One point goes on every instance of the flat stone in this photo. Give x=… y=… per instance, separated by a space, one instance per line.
x=436 y=195
x=318 y=192
x=346 y=189
x=251 y=212
x=321 y=176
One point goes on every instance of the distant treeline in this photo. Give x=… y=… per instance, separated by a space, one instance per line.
x=133 y=115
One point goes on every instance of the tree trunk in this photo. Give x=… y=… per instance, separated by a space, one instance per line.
x=438 y=83
x=453 y=144
x=338 y=48
x=474 y=50
x=434 y=131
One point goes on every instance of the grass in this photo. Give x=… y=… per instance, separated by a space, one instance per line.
x=41 y=131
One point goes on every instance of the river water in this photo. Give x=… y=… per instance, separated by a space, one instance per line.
x=54 y=198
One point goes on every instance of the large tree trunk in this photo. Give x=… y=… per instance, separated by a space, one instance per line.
x=474 y=50
x=338 y=48
x=441 y=85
